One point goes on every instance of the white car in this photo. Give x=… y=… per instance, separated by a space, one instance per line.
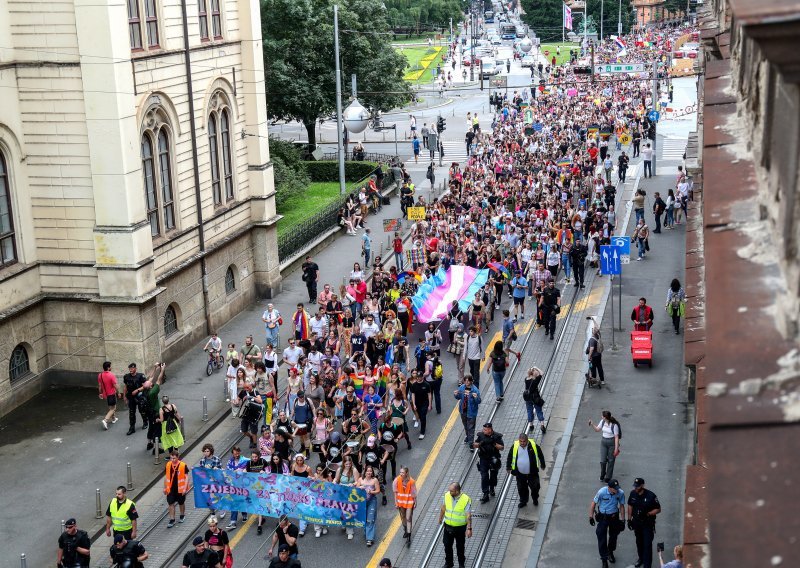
x=528 y=61
x=489 y=68
x=496 y=40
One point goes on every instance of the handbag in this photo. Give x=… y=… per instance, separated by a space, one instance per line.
x=513 y=336
x=280 y=320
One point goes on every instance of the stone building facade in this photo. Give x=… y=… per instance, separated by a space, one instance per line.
x=137 y=205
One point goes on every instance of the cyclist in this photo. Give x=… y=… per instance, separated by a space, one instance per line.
x=214 y=346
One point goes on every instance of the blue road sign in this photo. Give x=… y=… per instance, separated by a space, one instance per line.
x=623 y=243
x=653 y=115
x=610 y=261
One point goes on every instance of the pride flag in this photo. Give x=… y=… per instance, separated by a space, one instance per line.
x=436 y=295
x=567 y=161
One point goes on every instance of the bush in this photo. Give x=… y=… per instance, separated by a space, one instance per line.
x=288 y=152
x=328 y=170
x=289 y=182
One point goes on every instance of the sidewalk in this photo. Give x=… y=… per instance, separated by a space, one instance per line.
x=58 y=442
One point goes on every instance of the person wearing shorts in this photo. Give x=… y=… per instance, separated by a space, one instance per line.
x=177 y=483
x=107 y=384
x=519 y=286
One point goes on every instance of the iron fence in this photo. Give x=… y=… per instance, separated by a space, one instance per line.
x=367 y=157
x=305 y=232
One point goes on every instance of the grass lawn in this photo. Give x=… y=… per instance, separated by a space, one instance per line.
x=300 y=207
x=553 y=47
x=414 y=55
x=422 y=38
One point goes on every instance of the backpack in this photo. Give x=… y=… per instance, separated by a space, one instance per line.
x=619 y=427
x=600 y=346
x=438 y=370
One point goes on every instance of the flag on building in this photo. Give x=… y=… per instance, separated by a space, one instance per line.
x=567 y=17
x=436 y=295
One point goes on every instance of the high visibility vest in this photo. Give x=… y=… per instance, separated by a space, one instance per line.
x=455 y=514
x=514 y=451
x=183 y=479
x=404 y=493
x=120 y=520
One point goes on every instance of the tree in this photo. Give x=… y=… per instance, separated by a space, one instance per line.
x=545 y=17
x=299 y=63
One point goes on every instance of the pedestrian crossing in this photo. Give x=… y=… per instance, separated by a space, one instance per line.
x=454 y=151
x=673 y=148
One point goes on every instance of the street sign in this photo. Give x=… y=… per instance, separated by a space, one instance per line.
x=653 y=116
x=499 y=81
x=623 y=243
x=630 y=68
x=610 y=260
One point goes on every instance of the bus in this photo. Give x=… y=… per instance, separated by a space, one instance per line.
x=508 y=31
x=488 y=16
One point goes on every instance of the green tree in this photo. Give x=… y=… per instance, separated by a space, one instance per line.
x=545 y=17
x=299 y=63
x=290 y=173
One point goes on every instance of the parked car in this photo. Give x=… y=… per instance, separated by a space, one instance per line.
x=495 y=40
x=489 y=68
x=528 y=61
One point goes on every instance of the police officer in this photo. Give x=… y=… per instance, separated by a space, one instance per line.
x=127 y=553
x=608 y=510
x=200 y=557
x=521 y=463
x=73 y=547
x=456 y=513
x=578 y=259
x=489 y=445
x=550 y=304
x=134 y=393
x=643 y=506
x=121 y=515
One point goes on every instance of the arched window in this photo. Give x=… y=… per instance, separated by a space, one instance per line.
x=19 y=366
x=170 y=321
x=157 y=171
x=227 y=165
x=8 y=242
x=214 y=157
x=230 y=281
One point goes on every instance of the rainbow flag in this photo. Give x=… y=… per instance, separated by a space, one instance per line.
x=300 y=319
x=567 y=161
x=436 y=295
x=382 y=380
x=358 y=384
x=401 y=278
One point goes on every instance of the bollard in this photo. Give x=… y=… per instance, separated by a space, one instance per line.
x=98 y=513
x=23 y=562
x=157 y=453
x=205 y=409
x=130 y=476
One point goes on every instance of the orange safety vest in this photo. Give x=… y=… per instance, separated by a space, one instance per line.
x=183 y=478
x=404 y=493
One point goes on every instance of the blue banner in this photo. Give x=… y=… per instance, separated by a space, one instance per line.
x=275 y=495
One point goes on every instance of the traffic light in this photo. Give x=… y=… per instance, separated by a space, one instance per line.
x=440 y=125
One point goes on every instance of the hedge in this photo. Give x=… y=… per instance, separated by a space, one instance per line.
x=328 y=170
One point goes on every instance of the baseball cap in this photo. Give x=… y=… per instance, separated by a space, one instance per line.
x=70 y=522
x=197 y=540
x=613 y=484
x=638 y=482
x=118 y=538
x=283 y=548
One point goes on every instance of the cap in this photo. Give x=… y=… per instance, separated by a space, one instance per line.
x=613 y=484
x=118 y=538
x=638 y=482
x=70 y=522
x=197 y=540
x=132 y=365
x=386 y=562
x=283 y=548
x=487 y=425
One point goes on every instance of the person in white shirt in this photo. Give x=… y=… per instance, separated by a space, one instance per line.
x=369 y=328
x=291 y=355
x=319 y=324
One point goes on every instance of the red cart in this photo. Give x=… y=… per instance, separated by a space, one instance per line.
x=642 y=346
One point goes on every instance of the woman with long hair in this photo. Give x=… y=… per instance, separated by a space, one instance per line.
x=676 y=304
x=497 y=367
x=609 y=444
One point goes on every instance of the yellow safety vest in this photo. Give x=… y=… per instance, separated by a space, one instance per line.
x=119 y=515
x=456 y=515
x=514 y=451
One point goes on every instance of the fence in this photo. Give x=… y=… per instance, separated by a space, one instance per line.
x=368 y=157
x=305 y=232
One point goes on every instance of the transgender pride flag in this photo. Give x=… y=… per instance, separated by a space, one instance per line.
x=436 y=295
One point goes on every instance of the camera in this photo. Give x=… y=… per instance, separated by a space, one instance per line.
x=660 y=547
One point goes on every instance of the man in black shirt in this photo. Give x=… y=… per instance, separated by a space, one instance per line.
x=421 y=402
x=578 y=260
x=250 y=397
x=643 y=506
x=310 y=276
x=257 y=464
x=201 y=557
x=285 y=535
x=550 y=304
x=489 y=445
x=73 y=547
x=127 y=552
x=284 y=560
x=134 y=393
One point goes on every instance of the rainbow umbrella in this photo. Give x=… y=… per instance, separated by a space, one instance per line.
x=401 y=278
x=499 y=269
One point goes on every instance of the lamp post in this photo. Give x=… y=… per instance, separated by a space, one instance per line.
x=619 y=20
x=339 y=125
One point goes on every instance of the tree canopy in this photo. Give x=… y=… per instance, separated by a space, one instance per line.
x=299 y=59
x=423 y=14
x=545 y=17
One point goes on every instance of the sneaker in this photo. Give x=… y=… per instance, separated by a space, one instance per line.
x=231 y=526
x=499 y=399
x=422 y=436
x=171 y=523
x=317 y=533
x=416 y=425
x=369 y=543
x=544 y=429
x=145 y=425
x=259 y=530
x=105 y=424
x=324 y=530
x=181 y=518
x=485 y=498
x=114 y=420
x=221 y=514
x=492 y=493
x=349 y=536
x=301 y=534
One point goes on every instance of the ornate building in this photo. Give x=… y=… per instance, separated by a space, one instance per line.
x=136 y=195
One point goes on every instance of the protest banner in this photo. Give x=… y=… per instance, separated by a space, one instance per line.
x=416 y=213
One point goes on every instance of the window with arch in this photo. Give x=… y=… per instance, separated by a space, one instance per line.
x=230 y=281
x=8 y=241
x=19 y=365
x=170 y=321
x=157 y=173
x=220 y=149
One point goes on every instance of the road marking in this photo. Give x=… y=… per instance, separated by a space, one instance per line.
x=242 y=530
x=387 y=539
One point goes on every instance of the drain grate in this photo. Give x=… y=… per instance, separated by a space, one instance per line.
x=526 y=524
x=480 y=515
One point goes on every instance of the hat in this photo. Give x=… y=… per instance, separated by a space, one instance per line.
x=197 y=540
x=283 y=548
x=70 y=522
x=638 y=482
x=487 y=425
x=132 y=365
x=613 y=484
x=118 y=538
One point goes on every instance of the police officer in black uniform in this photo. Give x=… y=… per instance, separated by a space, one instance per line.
x=578 y=258
x=489 y=445
x=643 y=506
x=73 y=547
x=134 y=393
x=200 y=556
x=550 y=304
x=127 y=553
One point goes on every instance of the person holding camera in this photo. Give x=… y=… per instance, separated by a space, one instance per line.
x=607 y=511
x=643 y=506
x=489 y=445
x=73 y=547
x=550 y=305
x=677 y=551
x=134 y=394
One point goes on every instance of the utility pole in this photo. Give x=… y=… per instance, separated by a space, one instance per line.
x=591 y=62
x=619 y=20
x=339 y=123
x=655 y=107
x=585 y=25
x=602 y=3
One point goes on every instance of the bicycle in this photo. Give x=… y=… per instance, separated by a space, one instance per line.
x=214 y=362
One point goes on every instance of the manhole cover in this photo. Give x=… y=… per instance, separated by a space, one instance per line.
x=526 y=524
